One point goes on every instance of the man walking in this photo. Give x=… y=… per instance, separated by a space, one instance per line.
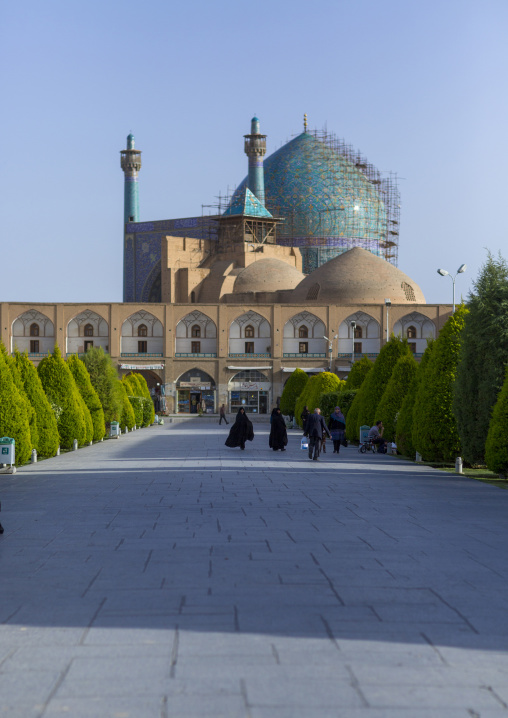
x=315 y=428
x=222 y=414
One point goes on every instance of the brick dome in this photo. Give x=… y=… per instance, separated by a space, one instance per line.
x=357 y=277
x=267 y=275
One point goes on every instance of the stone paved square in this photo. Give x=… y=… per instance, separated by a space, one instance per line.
x=164 y=575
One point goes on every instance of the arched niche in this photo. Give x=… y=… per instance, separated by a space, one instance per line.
x=250 y=334
x=33 y=332
x=86 y=330
x=151 y=340
x=363 y=338
x=196 y=334
x=303 y=334
x=250 y=389
x=417 y=329
x=196 y=393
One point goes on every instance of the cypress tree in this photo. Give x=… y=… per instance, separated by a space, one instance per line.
x=482 y=357
x=89 y=395
x=358 y=372
x=148 y=407
x=48 y=438
x=25 y=401
x=398 y=386
x=496 y=447
x=65 y=399
x=127 y=418
x=404 y=433
x=323 y=383
x=103 y=376
x=13 y=417
x=374 y=384
x=132 y=389
x=434 y=432
x=292 y=390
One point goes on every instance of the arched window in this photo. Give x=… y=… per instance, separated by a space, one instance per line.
x=303 y=332
x=411 y=332
x=88 y=330
x=249 y=331
x=142 y=330
x=193 y=297
x=196 y=330
x=34 y=330
x=358 y=332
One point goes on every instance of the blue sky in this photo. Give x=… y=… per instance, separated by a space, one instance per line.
x=419 y=88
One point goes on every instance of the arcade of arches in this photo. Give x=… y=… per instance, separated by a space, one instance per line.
x=197 y=357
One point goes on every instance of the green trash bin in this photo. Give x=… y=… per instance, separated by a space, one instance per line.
x=7 y=450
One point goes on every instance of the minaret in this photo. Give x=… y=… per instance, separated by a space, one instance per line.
x=255 y=149
x=130 y=160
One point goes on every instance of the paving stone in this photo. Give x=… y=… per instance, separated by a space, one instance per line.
x=160 y=576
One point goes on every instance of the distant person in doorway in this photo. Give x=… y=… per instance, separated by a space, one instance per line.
x=241 y=431
x=222 y=415
x=314 y=428
x=278 y=433
x=337 y=428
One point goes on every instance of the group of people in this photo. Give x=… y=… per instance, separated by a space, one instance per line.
x=314 y=426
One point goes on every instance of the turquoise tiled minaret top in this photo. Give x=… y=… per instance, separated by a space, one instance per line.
x=130 y=160
x=255 y=149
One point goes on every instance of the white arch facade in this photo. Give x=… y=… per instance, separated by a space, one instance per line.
x=250 y=334
x=415 y=324
x=87 y=329
x=142 y=334
x=364 y=339
x=303 y=334
x=196 y=335
x=42 y=339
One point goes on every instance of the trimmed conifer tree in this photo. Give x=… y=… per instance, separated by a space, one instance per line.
x=496 y=447
x=148 y=407
x=13 y=417
x=323 y=383
x=28 y=408
x=47 y=429
x=65 y=399
x=127 y=417
x=373 y=386
x=89 y=395
x=104 y=378
x=328 y=402
x=292 y=390
x=482 y=357
x=435 y=434
x=404 y=432
x=358 y=372
x=398 y=386
x=132 y=389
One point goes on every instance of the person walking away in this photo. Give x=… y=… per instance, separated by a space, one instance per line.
x=241 y=431
x=304 y=415
x=222 y=415
x=337 y=428
x=376 y=436
x=278 y=433
x=314 y=428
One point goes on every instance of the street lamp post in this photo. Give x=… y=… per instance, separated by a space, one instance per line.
x=330 y=347
x=444 y=273
x=388 y=303
x=353 y=327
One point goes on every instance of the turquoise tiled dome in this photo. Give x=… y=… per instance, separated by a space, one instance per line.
x=328 y=204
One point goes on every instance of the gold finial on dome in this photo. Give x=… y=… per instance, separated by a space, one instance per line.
x=305 y=122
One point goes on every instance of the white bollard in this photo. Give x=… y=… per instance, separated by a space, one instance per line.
x=458 y=465
x=418 y=458
x=90 y=444
x=58 y=451
x=33 y=458
x=75 y=445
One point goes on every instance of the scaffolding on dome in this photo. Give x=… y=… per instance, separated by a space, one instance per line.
x=373 y=226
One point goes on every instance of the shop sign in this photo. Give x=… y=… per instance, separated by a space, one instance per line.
x=140 y=367
x=249 y=385
x=193 y=385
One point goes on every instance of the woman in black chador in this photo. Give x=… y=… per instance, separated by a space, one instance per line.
x=241 y=431
x=278 y=433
